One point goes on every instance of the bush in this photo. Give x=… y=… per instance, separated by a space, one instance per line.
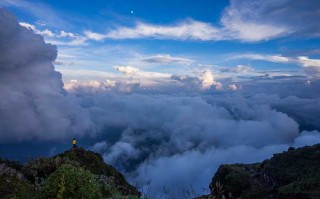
x=71 y=182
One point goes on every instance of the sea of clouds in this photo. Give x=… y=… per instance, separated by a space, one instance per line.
x=175 y=138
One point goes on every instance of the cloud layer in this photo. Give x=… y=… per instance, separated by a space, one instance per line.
x=175 y=141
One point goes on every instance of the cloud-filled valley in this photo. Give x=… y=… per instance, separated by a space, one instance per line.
x=175 y=131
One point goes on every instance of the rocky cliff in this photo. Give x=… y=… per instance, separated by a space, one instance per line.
x=294 y=174
x=73 y=174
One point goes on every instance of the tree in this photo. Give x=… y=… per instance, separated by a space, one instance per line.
x=71 y=182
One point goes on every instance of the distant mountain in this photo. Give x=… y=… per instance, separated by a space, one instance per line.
x=294 y=174
x=73 y=174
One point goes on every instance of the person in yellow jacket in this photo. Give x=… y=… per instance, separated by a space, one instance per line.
x=74 y=143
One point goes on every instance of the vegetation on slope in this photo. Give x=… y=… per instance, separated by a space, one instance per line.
x=73 y=174
x=294 y=174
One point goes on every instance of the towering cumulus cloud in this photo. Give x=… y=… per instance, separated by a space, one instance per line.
x=33 y=104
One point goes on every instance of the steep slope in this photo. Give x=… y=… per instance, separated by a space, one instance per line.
x=28 y=181
x=294 y=174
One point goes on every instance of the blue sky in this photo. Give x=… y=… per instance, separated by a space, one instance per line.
x=175 y=38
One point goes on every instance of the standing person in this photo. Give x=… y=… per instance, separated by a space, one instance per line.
x=74 y=143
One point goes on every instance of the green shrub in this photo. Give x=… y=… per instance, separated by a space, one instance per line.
x=71 y=182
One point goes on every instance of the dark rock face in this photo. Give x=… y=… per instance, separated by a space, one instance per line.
x=32 y=176
x=294 y=174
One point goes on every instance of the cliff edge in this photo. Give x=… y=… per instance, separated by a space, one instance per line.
x=73 y=174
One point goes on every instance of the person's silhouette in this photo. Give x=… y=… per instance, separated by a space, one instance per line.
x=74 y=143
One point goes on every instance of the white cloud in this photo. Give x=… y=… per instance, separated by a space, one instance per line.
x=94 y=36
x=310 y=66
x=167 y=59
x=91 y=86
x=242 y=69
x=233 y=87
x=67 y=34
x=207 y=79
x=218 y=85
x=269 y=58
x=147 y=79
x=273 y=19
x=202 y=82
x=39 y=10
x=69 y=74
x=55 y=38
x=27 y=25
x=241 y=20
x=186 y=30
x=32 y=98
x=307 y=62
x=246 y=21
x=233 y=29
x=77 y=41
x=127 y=70
x=94 y=86
x=46 y=32
x=240 y=23
x=80 y=41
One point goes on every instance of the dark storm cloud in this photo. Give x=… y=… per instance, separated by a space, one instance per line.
x=33 y=103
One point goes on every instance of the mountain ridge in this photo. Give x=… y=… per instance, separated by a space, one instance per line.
x=29 y=180
x=292 y=174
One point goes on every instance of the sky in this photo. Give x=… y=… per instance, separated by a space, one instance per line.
x=167 y=38
x=160 y=87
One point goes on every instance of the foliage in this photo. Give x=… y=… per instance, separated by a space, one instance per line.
x=75 y=174
x=62 y=188
x=234 y=178
x=13 y=164
x=218 y=191
x=94 y=163
x=306 y=188
x=12 y=187
x=291 y=174
x=71 y=182
x=36 y=171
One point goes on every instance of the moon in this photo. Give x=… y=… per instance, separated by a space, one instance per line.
x=131 y=11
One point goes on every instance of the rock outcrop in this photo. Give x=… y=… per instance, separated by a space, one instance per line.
x=294 y=174
x=27 y=181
